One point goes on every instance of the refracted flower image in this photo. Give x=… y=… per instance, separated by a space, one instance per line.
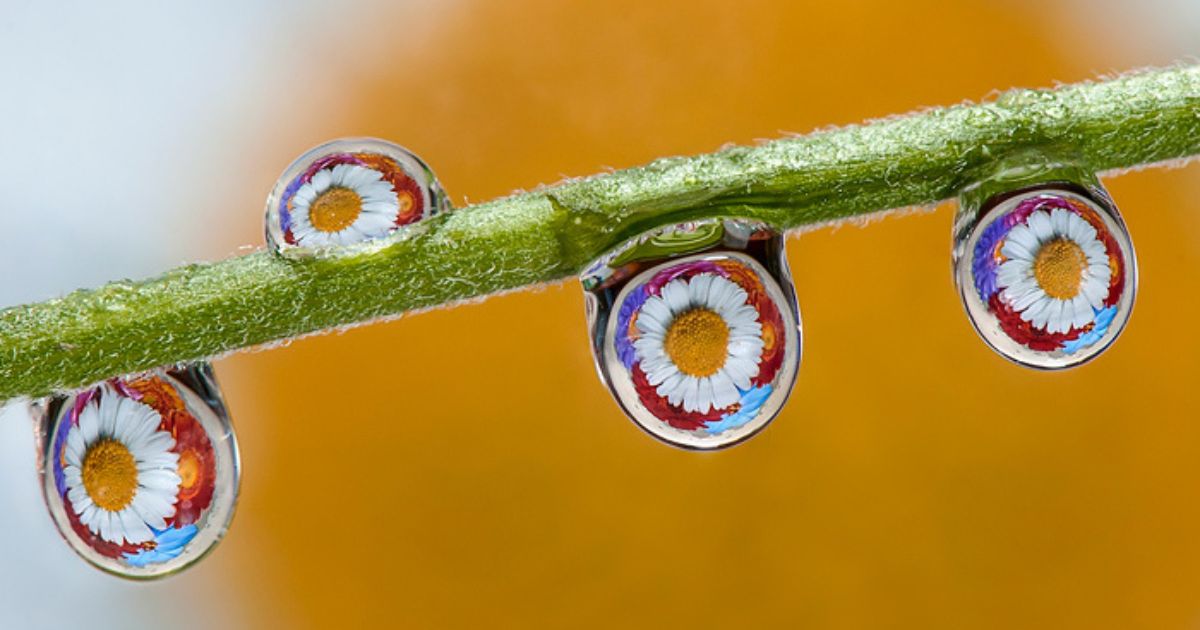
x=700 y=349
x=349 y=191
x=141 y=473
x=1048 y=275
x=121 y=475
x=699 y=340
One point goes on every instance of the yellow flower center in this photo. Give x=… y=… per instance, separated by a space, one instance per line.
x=110 y=475
x=335 y=209
x=697 y=342
x=406 y=201
x=189 y=469
x=1058 y=268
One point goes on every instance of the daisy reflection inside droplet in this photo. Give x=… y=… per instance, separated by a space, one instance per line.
x=699 y=342
x=121 y=475
x=344 y=204
x=1056 y=273
x=1044 y=264
x=349 y=191
x=141 y=473
x=695 y=330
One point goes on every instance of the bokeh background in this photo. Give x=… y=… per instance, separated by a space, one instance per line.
x=464 y=468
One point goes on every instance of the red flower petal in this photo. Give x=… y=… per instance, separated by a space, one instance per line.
x=197 y=467
x=101 y=546
x=665 y=411
x=1024 y=333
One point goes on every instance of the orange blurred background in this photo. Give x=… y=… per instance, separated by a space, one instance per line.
x=465 y=468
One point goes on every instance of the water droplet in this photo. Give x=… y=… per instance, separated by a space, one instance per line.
x=140 y=473
x=1044 y=264
x=695 y=330
x=348 y=191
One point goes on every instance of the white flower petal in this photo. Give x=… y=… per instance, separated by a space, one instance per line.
x=1083 y=311
x=1035 y=314
x=158 y=442
x=339 y=173
x=725 y=392
x=1060 y=220
x=718 y=289
x=1015 y=251
x=112 y=523
x=649 y=325
x=743 y=315
x=135 y=422
x=746 y=349
x=76 y=448
x=73 y=475
x=166 y=460
x=152 y=520
x=1039 y=222
x=154 y=442
x=88 y=516
x=742 y=331
x=379 y=211
x=154 y=506
x=321 y=180
x=661 y=374
x=1095 y=251
x=1100 y=272
x=649 y=346
x=657 y=308
x=704 y=394
x=675 y=294
x=1012 y=272
x=1095 y=291
x=304 y=196
x=355 y=176
x=106 y=411
x=691 y=392
x=108 y=530
x=673 y=389
x=698 y=288
x=656 y=366
x=1048 y=315
x=735 y=298
x=1023 y=236
x=1022 y=294
x=1057 y=321
x=357 y=234
x=741 y=370
x=1080 y=230
x=89 y=423
x=134 y=529
x=79 y=499
x=672 y=383
x=97 y=522
x=136 y=433
x=1068 y=314
x=159 y=480
x=377 y=191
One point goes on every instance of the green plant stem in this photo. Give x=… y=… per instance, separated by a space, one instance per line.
x=200 y=311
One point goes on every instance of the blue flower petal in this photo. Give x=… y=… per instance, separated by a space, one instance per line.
x=752 y=400
x=169 y=544
x=1104 y=319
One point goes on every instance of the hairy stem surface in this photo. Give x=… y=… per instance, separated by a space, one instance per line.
x=199 y=311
